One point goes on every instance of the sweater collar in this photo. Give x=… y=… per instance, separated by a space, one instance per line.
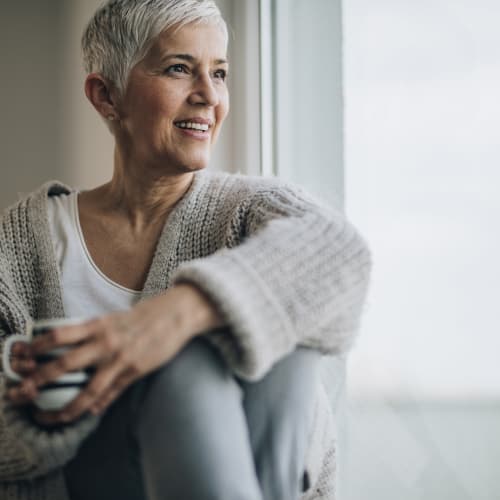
x=165 y=258
x=50 y=304
x=158 y=278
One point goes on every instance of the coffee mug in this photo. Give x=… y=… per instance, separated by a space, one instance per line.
x=57 y=394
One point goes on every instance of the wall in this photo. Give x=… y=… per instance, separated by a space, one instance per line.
x=32 y=116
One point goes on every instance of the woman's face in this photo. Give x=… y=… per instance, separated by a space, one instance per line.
x=176 y=100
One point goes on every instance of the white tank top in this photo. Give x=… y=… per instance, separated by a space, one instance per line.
x=86 y=291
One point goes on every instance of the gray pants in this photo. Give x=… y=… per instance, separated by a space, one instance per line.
x=193 y=431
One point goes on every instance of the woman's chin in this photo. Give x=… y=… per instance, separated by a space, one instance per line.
x=196 y=163
x=195 y=166
x=182 y=166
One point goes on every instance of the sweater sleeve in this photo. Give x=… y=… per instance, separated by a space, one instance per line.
x=300 y=276
x=27 y=450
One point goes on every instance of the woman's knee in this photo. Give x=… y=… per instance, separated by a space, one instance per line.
x=288 y=388
x=191 y=424
x=196 y=374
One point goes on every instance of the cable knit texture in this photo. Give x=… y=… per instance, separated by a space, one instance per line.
x=282 y=269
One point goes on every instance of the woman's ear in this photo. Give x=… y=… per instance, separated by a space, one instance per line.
x=99 y=93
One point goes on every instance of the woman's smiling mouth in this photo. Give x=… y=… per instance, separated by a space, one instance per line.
x=197 y=128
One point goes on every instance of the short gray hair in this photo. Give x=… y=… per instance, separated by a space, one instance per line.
x=121 y=32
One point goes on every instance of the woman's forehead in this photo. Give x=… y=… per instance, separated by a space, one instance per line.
x=194 y=40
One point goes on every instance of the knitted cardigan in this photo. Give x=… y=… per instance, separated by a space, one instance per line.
x=282 y=269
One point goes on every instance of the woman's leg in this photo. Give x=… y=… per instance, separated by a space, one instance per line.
x=180 y=433
x=192 y=431
x=107 y=464
x=279 y=413
x=184 y=432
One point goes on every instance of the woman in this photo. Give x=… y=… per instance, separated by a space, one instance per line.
x=209 y=297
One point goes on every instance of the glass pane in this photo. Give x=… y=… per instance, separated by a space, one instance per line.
x=308 y=95
x=422 y=84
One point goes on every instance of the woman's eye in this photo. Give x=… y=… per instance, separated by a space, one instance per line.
x=221 y=74
x=176 y=68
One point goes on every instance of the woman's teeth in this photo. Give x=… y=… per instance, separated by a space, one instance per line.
x=195 y=126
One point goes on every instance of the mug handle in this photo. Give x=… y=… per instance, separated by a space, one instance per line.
x=7 y=346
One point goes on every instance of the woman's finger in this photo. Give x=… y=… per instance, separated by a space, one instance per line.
x=105 y=387
x=105 y=377
x=63 y=336
x=21 y=350
x=23 y=366
x=86 y=355
x=19 y=396
x=47 y=418
x=108 y=375
x=109 y=381
x=113 y=393
x=98 y=344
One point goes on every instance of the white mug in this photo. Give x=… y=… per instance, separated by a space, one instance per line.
x=55 y=395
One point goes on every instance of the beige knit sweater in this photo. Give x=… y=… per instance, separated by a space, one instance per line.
x=283 y=270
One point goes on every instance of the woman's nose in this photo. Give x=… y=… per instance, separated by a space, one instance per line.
x=204 y=92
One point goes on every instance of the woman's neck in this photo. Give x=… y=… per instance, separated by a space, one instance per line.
x=139 y=201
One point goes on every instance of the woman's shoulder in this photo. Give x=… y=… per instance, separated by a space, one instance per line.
x=19 y=221
x=268 y=189
x=34 y=199
x=243 y=185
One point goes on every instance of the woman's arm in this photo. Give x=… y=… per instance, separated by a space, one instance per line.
x=123 y=347
x=299 y=277
x=26 y=450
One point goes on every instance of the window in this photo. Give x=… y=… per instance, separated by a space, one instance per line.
x=308 y=113
x=421 y=87
x=422 y=156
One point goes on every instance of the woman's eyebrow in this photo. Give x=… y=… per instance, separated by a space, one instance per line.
x=190 y=58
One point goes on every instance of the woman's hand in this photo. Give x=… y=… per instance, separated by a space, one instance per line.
x=23 y=363
x=122 y=347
